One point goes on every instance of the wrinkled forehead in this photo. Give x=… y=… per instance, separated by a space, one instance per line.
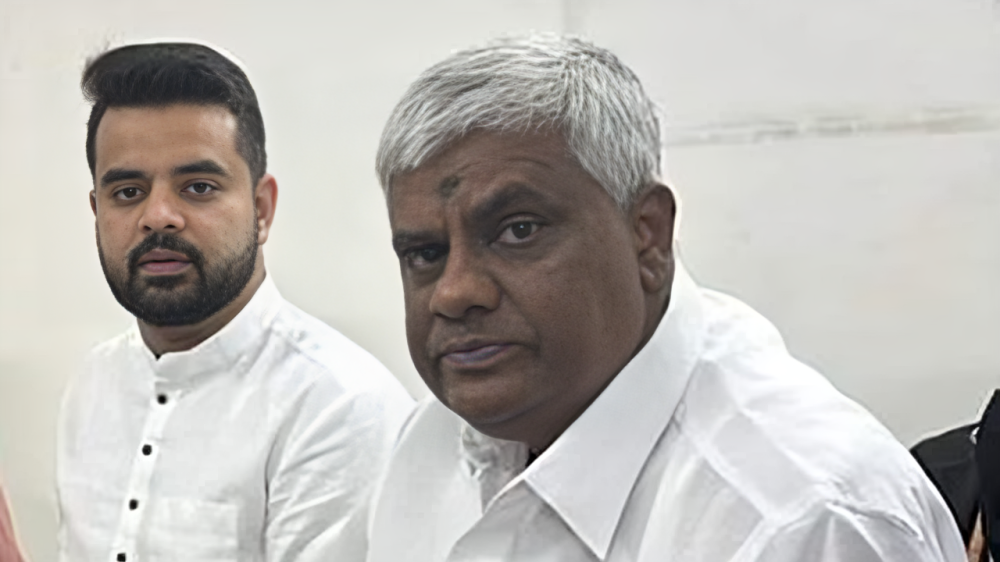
x=484 y=160
x=473 y=167
x=489 y=175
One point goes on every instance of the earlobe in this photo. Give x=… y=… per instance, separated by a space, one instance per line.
x=265 y=202
x=654 y=213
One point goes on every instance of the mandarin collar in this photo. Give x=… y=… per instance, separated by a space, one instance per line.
x=588 y=472
x=221 y=351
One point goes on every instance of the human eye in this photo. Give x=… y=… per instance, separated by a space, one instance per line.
x=424 y=256
x=200 y=188
x=519 y=231
x=127 y=193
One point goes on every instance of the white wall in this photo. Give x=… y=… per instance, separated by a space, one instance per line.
x=874 y=242
x=839 y=165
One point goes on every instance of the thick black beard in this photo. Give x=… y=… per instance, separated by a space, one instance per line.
x=158 y=302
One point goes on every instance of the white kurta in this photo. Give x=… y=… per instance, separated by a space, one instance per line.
x=261 y=443
x=713 y=444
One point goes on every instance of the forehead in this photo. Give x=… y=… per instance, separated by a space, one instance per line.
x=149 y=136
x=483 y=163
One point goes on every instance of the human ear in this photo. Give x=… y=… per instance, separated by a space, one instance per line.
x=93 y=201
x=265 y=200
x=653 y=217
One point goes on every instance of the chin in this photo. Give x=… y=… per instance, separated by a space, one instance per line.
x=491 y=410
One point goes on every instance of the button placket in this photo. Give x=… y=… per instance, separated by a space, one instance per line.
x=143 y=465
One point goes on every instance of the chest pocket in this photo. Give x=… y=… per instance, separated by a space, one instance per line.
x=191 y=531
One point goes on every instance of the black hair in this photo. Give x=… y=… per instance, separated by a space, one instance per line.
x=162 y=74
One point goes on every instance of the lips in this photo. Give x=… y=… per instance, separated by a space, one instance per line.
x=475 y=354
x=163 y=262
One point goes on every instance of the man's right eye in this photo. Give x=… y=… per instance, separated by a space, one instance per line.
x=424 y=256
x=127 y=193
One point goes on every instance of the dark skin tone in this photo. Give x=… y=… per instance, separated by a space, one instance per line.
x=176 y=170
x=527 y=289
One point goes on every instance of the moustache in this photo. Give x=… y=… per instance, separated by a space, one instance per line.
x=161 y=241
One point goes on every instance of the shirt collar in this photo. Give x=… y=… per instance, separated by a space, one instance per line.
x=587 y=474
x=222 y=350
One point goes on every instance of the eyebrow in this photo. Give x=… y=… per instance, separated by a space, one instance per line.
x=404 y=238
x=201 y=167
x=503 y=198
x=506 y=196
x=119 y=174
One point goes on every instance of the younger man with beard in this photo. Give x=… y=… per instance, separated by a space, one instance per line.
x=226 y=424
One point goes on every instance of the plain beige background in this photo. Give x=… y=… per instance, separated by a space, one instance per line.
x=838 y=165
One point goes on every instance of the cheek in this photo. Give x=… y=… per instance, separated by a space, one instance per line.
x=220 y=231
x=115 y=236
x=588 y=311
x=618 y=304
x=418 y=322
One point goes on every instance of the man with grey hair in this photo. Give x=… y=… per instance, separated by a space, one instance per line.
x=590 y=401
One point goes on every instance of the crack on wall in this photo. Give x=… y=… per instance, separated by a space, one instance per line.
x=775 y=128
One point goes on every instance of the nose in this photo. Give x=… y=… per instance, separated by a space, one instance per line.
x=464 y=285
x=161 y=211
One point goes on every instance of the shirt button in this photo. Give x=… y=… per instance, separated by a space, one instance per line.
x=121 y=557
x=147 y=450
x=162 y=398
x=133 y=504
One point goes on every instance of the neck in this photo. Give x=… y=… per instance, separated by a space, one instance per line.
x=169 y=339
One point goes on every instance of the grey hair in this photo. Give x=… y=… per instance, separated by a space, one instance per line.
x=520 y=84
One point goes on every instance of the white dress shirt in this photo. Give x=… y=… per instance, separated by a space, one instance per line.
x=260 y=444
x=713 y=444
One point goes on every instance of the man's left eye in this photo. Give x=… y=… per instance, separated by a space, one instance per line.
x=199 y=188
x=519 y=231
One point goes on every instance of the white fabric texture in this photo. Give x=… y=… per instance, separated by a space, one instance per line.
x=260 y=444
x=713 y=444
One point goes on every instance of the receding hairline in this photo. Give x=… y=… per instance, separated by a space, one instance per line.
x=168 y=106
